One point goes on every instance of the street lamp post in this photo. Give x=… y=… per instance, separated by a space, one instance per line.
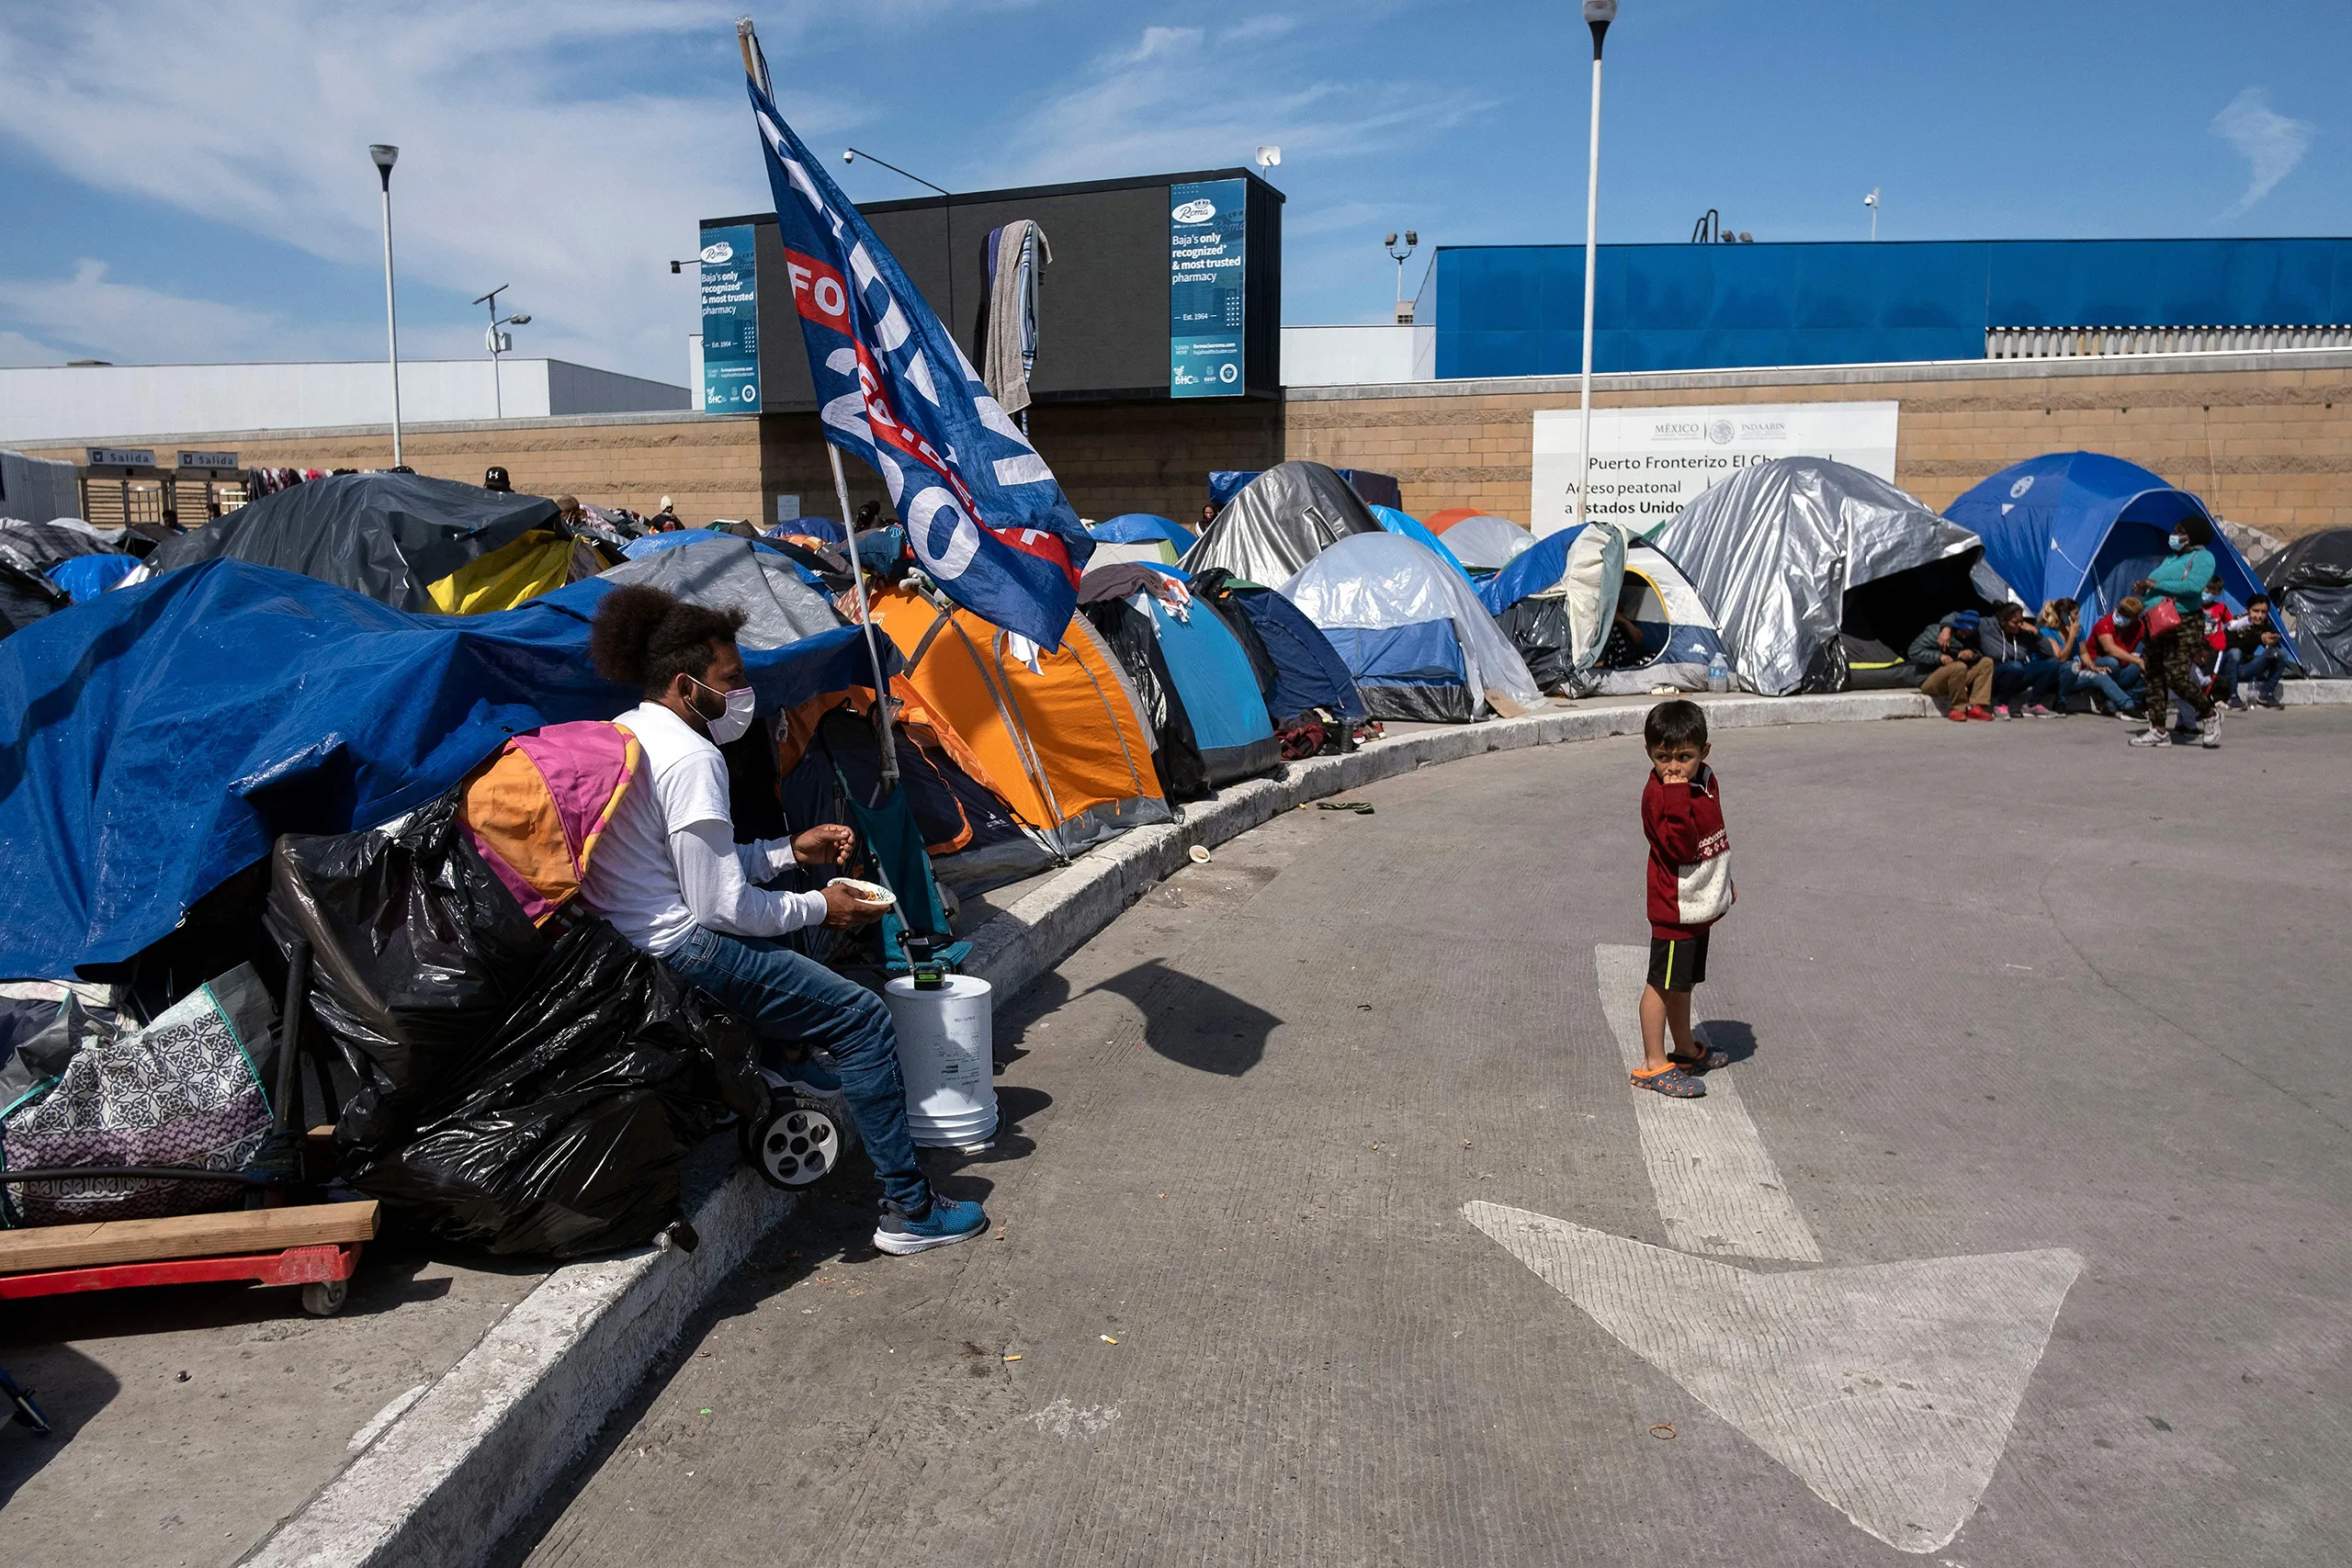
x=1871 y=201
x=385 y=157
x=499 y=343
x=1598 y=14
x=1412 y=239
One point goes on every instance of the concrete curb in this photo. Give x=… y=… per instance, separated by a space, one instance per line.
x=442 y=1483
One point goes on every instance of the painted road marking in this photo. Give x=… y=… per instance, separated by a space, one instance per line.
x=1888 y=1389
x=1717 y=1188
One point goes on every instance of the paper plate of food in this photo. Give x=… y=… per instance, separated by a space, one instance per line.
x=872 y=895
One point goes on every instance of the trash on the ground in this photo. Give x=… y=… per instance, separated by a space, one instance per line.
x=1107 y=1339
x=1199 y=853
x=1012 y=1357
x=1662 y=1432
x=1360 y=807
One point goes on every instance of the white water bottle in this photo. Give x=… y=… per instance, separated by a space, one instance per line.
x=1718 y=674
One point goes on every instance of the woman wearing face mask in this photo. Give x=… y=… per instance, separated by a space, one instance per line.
x=669 y=876
x=2174 y=655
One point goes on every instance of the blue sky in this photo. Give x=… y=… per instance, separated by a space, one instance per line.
x=190 y=181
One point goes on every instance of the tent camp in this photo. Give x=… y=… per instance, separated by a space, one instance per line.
x=1483 y=543
x=729 y=573
x=1554 y=602
x=2311 y=582
x=406 y=541
x=1814 y=568
x=2085 y=526
x=1196 y=684
x=223 y=704
x=1298 y=669
x=1138 y=537
x=1062 y=744
x=1410 y=526
x=1279 y=522
x=1376 y=490
x=1678 y=640
x=1415 y=636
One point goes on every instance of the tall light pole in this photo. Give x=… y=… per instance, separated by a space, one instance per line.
x=385 y=158
x=1871 y=201
x=499 y=343
x=1598 y=14
x=1412 y=239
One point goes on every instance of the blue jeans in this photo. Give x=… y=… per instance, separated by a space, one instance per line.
x=2260 y=669
x=784 y=995
x=2036 y=678
x=2074 y=678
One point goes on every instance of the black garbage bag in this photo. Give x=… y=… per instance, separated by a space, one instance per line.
x=566 y=1135
x=419 y=952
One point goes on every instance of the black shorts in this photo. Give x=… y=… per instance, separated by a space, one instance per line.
x=1680 y=964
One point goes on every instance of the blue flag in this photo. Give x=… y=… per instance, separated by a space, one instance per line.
x=986 y=518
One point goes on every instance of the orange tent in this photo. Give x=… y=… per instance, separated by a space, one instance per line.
x=1065 y=745
x=1450 y=516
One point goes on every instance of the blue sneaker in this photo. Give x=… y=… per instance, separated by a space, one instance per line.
x=948 y=1222
x=813 y=1079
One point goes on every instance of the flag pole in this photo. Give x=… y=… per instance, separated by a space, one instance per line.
x=755 y=66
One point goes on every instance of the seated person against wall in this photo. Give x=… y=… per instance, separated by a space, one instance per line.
x=1958 y=673
x=2061 y=638
x=2253 y=653
x=2025 y=677
x=671 y=878
x=2114 y=647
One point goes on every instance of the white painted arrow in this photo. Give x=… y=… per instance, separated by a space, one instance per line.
x=1889 y=1389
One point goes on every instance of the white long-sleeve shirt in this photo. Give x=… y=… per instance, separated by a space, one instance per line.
x=668 y=860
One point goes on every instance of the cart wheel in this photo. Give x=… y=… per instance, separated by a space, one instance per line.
x=324 y=1298
x=794 y=1148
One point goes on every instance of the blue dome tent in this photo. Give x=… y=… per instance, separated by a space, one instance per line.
x=2086 y=526
x=1140 y=527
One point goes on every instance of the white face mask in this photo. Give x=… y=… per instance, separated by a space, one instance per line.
x=736 y=720
x=2180 y=541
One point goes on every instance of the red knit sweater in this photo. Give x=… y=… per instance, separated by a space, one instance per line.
x=1689 y=878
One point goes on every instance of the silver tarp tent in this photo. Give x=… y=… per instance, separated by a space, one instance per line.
x=1279 y=522
x=735 y=574
x=38 y=489
x=1776 y=550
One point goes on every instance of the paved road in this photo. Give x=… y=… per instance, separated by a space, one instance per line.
x=1333 y=1138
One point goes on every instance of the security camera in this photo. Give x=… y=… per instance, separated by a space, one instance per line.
x=849 y=155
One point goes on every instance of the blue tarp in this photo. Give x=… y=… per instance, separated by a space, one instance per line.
x=2086 y=526
x=1533 y=571
x=84 y=578
x=160 y=737
x=1141 y=528
x=808 y=526
x=1404 y=523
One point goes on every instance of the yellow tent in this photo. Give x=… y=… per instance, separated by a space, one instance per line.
x=1064 y=745
x=524 y=568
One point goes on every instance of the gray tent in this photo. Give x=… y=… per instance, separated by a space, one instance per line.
x=1279 y=522
x=735 y=574
x=1807 y=564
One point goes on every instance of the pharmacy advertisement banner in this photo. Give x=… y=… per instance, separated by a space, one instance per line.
x=1208 y=246
x=1648 y=464
x=730 y=321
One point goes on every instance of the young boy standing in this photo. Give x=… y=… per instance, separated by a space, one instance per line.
x=1690 y=890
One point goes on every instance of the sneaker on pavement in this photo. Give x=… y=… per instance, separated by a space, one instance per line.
x=2208 y=733
x=948 y=1222
x=1957 y=714
x=2036 y=710
x=1983 y=713
x=2131 y=716
x=2001 y=710
x=2152 y=736
x=2272 y=701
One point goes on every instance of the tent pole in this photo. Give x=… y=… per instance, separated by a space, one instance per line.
x=865 y=617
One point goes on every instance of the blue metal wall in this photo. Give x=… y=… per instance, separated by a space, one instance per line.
x=1518 y=309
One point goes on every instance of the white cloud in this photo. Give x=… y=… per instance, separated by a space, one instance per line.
x=1161 y=106
x=1256 y=29
x=509 y=170
x=2271 y=144
x=16 y=349
x=129 y=324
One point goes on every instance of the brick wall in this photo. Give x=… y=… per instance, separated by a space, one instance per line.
x=2265 y=446
x=1110 y=458
x=710 y=467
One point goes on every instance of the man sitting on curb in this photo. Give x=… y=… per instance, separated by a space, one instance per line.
x=2254 y=655
x=1957 y=674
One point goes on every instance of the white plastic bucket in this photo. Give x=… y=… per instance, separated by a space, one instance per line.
x=945 y=1058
